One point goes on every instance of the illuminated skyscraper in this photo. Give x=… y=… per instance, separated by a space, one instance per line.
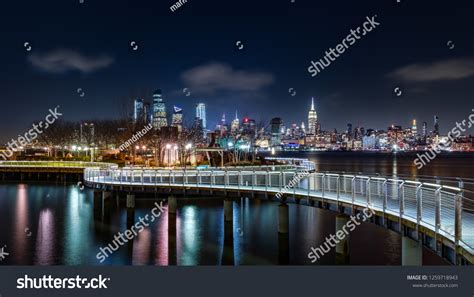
x=234 y=128
x=436 y=125
x=159 y=110
x=414 y=128
x=275 y=127
x=349 y=131
x=223 y=126
x=147 y=113
x=201 y=117
x=425 y=130
x=312 y=119
x=138 y=110
x=177 y=120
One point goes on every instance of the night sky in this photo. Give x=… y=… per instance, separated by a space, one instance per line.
x=87 y=45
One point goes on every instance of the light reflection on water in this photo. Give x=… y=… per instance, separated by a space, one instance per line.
x=64 y=231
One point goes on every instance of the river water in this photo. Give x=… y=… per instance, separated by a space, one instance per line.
x=54 y=224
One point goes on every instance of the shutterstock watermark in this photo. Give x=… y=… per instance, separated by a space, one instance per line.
x=121 y=238
x=293 y=182
x=32 y=134
x=351 y=39
x=334 y=239
x=455 y=133
x=49 y=282
x=135 y=137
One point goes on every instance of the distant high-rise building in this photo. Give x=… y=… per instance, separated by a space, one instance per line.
x=312 y=119
x=147 y=113
x=201 y=114
x=349 y=131
x=234 y=128
x=303 y=129
x=177 y=120
x=275 y=129
x=425 y=130
x=201 y=117
x=223 y=126
x=159 y=110
x=414 y=128
x=436 y=125
x=138 y=110
x=249 y=128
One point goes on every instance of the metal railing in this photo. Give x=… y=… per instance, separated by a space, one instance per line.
x=441 y=208
x=57 y=164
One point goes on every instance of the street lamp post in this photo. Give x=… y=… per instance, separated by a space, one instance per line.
x=168 y=148
x=175 y=153
x=188 y=148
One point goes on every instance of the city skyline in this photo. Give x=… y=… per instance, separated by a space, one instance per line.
x=258 y=67
x=312 y=121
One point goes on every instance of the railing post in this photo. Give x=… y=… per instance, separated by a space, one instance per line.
x=438 y=209
x=353 y=183
x=369 y=198
x=294 y=186
x=401 y=197
x=239 y=180
x=419 y=210
x=266 y=181
x=458 y=219
x=458 y=212
x=225 y=179
x=309 y=185
x=385 y=195
x=401 y=201
x=280 y=179
x=169 y=179
x=253 y=181
x=338 y=187
x=323 y=184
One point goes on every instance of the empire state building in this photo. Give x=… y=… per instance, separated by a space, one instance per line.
x=312 y=120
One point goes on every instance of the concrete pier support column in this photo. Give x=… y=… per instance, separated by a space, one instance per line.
x=130 y=210
x=106 y=205
x=97 y=204
x=342 y=247
x=228 y=248
x=172 y=204
x=412 y=252
x=172 y=254
x=283 y=218
x=130 y=201
x=283 y=249
x=228 y=210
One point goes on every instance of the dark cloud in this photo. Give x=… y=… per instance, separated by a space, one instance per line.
x=452 y=69
x=62 y=60
x=214 y=77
